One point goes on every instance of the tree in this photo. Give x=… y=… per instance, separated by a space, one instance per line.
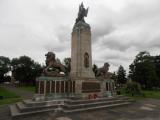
x=157 y=68
x=114 y=77
x=95 y=69
x=121 y=76
x=58 y=60
x=25 y=70
x=4 y=67
x=133 y=88
x=67 y=64
x=142 y=70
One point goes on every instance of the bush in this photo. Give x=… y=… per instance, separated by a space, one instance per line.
x=133 y=88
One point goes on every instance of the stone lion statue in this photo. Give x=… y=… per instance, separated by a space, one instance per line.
x=53 y=68
x=103 y=71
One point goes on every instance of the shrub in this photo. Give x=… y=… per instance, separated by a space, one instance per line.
x=133 y=88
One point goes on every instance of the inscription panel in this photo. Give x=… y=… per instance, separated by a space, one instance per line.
x=90 y=87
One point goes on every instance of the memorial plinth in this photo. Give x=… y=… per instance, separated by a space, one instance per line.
x=61 y=92
x=81 y=55
x=81 y=61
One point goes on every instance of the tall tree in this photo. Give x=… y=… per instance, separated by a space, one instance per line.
x=58 y=60
x=114 y=77
x=121 y=76
x=157 y=68
x=142 y=70
x=25 y=69
x=4 y=67
x=67 y=64
x=95 y=69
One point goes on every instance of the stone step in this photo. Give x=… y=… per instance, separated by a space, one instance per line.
x=31 y=103
x=96 y=108
x=14 y=110
x=16 y=113
x=22 y=108
x=92 y=104
x=95 y=100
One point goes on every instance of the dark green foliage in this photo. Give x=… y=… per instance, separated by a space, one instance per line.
x=157 y=68
x=7 y=94
x=4 y=67
x=133 y=88
x=58 y=60
x=67 y=64
x=121 y=76
x=25 y=70
x=95 y=69
x=144 y=70
x=114 y=77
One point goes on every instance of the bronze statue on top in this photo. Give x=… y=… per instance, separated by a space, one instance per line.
x=53 y=68
x=82 y=13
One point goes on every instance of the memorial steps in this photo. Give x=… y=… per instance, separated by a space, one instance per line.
x=28 y=107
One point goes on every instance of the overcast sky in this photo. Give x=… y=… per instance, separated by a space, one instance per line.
x=120 y=28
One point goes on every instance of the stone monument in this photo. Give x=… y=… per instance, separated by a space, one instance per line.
x=71 y=92
x=81 y=82
x=81 y=57
x=81 y=53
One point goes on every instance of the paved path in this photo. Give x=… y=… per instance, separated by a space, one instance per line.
x=23 y=93
x=148 y=109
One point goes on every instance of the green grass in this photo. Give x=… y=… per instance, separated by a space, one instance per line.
x=28 y=88
x=10 y=101
x=151 y=94
x=145 y=94
x=7 y=94
x=8 y=97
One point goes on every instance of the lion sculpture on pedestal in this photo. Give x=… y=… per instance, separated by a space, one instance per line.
x=103 y=71
x=53 y=68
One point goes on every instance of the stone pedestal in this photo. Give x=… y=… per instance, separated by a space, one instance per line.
x=81 y=55
x=81 y=62
x=85 y=87
x=55 y=87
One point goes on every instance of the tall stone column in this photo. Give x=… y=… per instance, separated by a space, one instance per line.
x=81 y=55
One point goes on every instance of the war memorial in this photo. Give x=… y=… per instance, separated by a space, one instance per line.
x=78 y=91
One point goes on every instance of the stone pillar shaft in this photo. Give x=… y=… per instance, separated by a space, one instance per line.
x=81 y=55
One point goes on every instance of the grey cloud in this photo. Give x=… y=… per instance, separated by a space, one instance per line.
x=52 y=48
x=119 y=29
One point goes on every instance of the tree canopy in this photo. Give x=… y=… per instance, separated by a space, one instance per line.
x=121 y=75
x=4 y=67
x=145 y=70
x=95 y=69
x=67 y=64
x=25 y=69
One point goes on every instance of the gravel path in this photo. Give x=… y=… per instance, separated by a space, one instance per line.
x=5 y=113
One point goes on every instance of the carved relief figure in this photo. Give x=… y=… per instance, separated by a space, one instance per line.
x=86 y=60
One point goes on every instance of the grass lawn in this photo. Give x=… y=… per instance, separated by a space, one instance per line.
x=145 y=94
x=10 y=101
x=28 y=88
x=151 y=94
x=7 y=97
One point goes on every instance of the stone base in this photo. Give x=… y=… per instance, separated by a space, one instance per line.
x=87 y=88
x=50 y=88
x=65 y=106
x=54 y=86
